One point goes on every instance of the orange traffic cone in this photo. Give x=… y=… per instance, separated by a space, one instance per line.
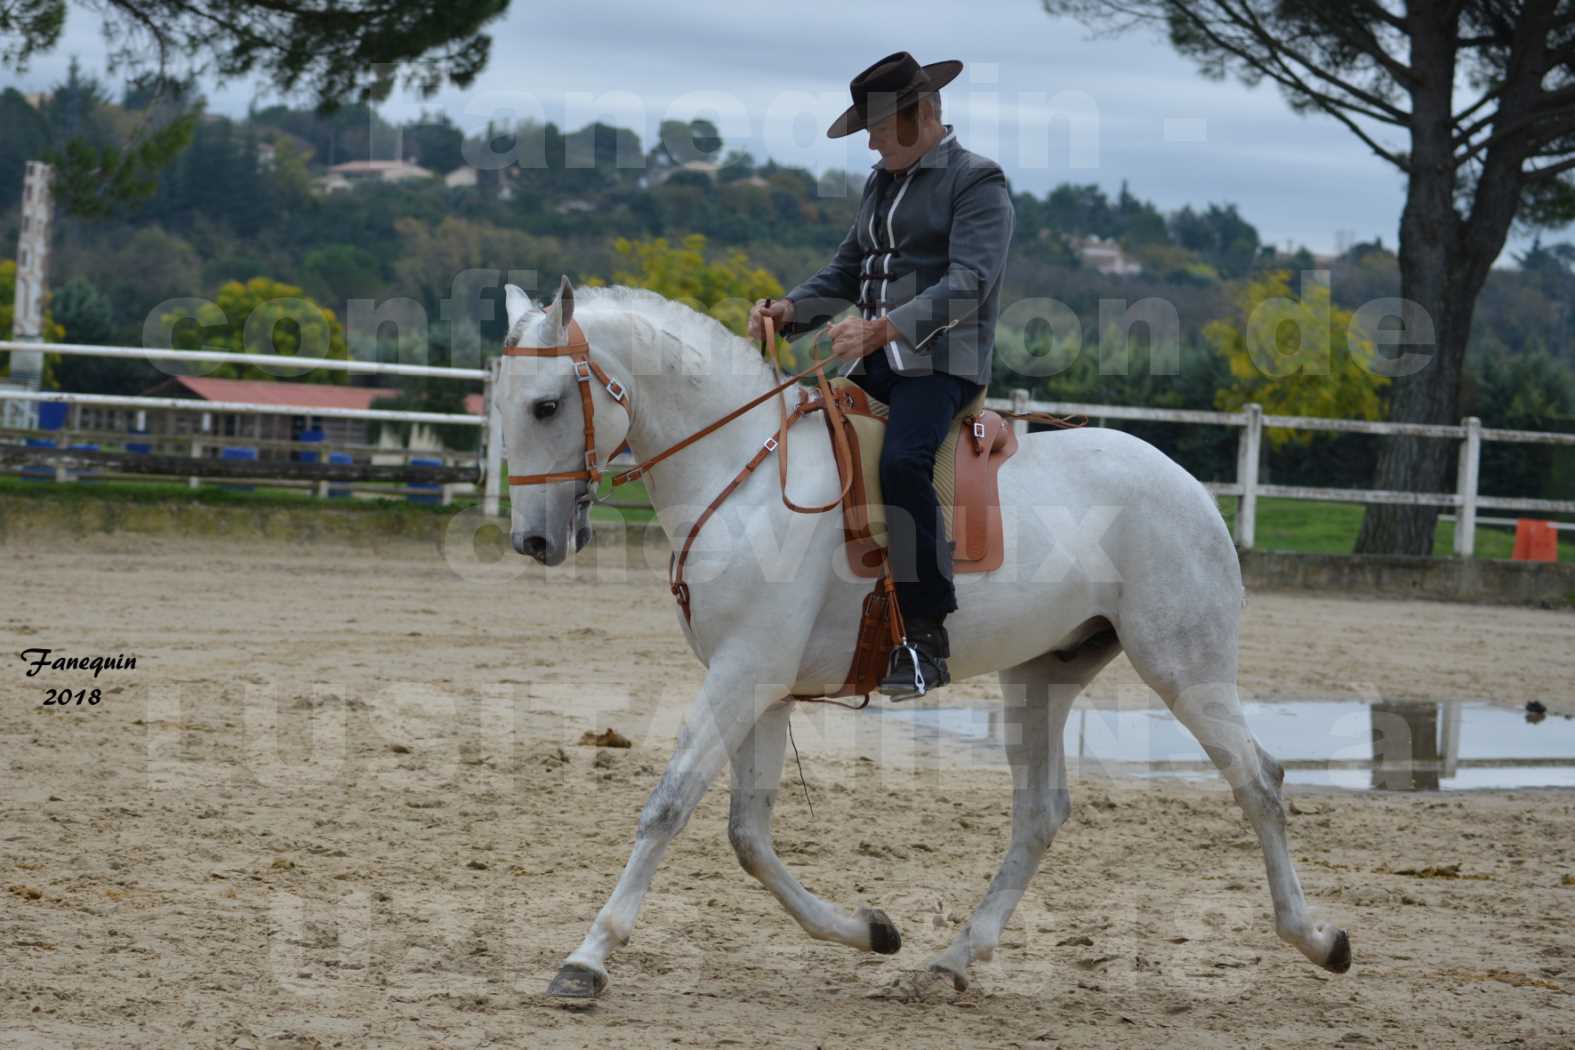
x=1535 y=541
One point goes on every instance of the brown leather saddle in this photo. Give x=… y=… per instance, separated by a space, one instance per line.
x=965 y=476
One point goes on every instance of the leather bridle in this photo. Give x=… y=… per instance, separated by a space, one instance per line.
x=577 y=350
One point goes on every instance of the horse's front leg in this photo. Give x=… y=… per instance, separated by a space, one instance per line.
x=757 y=770
x=728 y=705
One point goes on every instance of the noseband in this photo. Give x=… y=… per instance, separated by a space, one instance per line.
x=578 y=351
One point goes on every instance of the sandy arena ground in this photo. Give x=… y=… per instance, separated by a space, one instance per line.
x=340 y=801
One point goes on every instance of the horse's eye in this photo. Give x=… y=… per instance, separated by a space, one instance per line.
x=545 y=409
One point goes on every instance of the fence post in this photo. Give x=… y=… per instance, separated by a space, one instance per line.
x=1020 y=404
x=492 y=439
x=1247 y=476
x=196 y=453
x=1466 y=488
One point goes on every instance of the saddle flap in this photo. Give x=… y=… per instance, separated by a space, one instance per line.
x=976 y=508
x=964 y=477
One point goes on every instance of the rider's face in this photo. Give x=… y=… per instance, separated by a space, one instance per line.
x=897 y=140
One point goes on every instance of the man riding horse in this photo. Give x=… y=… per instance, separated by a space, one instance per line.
x=923 y=262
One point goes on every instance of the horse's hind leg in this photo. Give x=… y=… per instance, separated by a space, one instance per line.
x=757 y=770
x=1038 y=695
x=1193 y=668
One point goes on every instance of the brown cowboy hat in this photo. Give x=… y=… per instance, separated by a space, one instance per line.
x=887 y=86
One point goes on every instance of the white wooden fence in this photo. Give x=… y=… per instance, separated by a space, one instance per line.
x=1465 y=501
x=12 y=395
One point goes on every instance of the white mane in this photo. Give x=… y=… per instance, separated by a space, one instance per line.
x=688 y=329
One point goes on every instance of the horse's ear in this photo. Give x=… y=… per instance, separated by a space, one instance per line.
x=516 y=303
x=562 y=310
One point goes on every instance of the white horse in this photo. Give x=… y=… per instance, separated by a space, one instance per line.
x=1111 y=546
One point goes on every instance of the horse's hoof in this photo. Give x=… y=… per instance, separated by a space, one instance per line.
x=1339 y=959
x=958 y=978
x=884 y=938
x=576 y=982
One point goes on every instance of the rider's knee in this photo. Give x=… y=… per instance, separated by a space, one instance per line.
x=905 y=464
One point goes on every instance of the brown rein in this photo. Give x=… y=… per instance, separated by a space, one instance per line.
x=578 y=349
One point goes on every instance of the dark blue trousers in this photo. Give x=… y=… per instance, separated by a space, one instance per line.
x=922 y=409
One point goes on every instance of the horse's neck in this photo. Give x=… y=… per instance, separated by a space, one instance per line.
x=676 y=392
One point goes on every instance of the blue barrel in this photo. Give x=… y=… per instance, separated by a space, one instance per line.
x=302 y=455
x=238 y=452
x=430 y=493
x=39 y=471
x=341 y=490
x=52 y=415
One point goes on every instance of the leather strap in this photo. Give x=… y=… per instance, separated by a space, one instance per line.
x=1044 y=419
x=770 y=347
x=585 y=370
x=840 y=450
x=675 y=567
x=778 y=444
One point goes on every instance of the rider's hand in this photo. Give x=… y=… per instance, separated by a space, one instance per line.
x=855 y=337
x=780 y=311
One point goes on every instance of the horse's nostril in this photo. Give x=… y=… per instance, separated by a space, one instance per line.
x=532 y=546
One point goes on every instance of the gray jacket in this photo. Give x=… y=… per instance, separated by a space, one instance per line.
x=929 y=250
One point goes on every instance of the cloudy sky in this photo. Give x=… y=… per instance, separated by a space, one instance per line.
x=1042 y=96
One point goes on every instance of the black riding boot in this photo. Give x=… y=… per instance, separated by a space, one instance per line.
x=919 y=666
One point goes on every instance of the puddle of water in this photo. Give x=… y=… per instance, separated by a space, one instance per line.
x=1326 y=743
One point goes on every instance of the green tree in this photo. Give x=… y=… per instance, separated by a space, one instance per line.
x=345 y=271
x=1524 y=391
x=434 y=142
x=723 y=287
x=349 y=132
x=341 y=51
x=138 y=273
x=334 y=52
x=737 y=165
x=86 y=315
x=600 y=156
x=1296 y=356
x=84 y=312
x=1227 y=241
x=1139 y=220
x=52 y=331
x=26 y=138
x=1472 y=101
x=1080 y=211
x=682 y=141
x=100 y=163
x=262 y=316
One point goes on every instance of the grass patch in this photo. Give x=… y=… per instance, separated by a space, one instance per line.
x=211 y=493
x=1301 y=526
x=216 y=494
x=1312 y=527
